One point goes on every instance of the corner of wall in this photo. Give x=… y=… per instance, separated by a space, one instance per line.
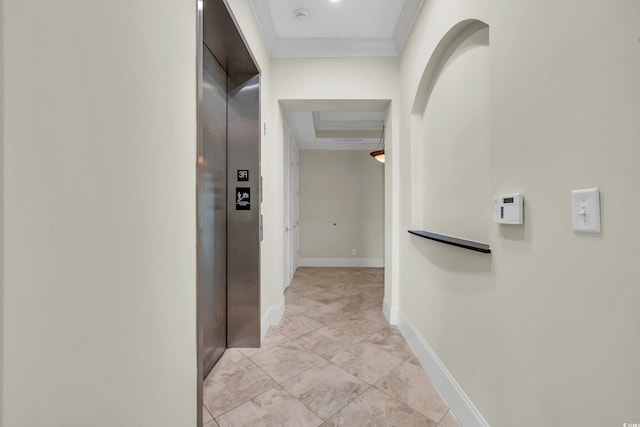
x=390 y=312
x=1 y=208
x=272 y=317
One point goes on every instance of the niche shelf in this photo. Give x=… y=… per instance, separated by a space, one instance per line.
x=454 y=241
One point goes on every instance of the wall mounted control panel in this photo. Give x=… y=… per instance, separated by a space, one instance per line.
x=508 y=209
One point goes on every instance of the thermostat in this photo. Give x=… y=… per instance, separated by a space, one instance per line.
x=507 y=209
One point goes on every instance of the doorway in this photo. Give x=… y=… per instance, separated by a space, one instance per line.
x=337 y=219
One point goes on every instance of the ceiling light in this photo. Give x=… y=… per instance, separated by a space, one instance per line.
x=378 y=153
x=301 y=14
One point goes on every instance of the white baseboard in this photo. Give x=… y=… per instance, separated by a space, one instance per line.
x=341 y=262
x=271 y=317
x=459 y=403
x=390 y=313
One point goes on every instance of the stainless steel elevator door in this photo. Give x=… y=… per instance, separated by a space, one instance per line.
x=212 y=251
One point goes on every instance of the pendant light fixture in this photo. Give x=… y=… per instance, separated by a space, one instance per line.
x=378 y=153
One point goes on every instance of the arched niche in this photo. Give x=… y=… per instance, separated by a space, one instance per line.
x=441 y=55
x=450 y=136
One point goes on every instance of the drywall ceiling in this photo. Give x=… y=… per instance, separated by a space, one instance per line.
x=335 y=28
x=336 y=125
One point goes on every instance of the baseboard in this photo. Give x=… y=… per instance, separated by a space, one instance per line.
x=459 y=403
x=341 y=262
x=271 y=317
x=390 y=313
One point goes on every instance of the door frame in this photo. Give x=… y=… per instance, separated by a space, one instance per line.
x=291 y=230
x=286 y=226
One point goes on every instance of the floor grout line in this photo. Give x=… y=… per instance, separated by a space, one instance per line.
x=444 y=416
x=255 y=397
x=204 y=407
x=304 y=404
x=350 y=401
x=260 y=394
x=329 y=362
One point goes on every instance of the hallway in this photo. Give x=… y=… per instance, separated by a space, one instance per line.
x=332 y=361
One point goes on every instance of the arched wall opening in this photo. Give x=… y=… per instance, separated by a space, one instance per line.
x=450 y=145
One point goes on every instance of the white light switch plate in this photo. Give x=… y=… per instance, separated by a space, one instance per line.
x=585 y=210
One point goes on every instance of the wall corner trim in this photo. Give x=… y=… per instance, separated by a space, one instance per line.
x=459 y=403
x=390 y=312
x=272 y=317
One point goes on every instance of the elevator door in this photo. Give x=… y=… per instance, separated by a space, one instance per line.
x=213 y=211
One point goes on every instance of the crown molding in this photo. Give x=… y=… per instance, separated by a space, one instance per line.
x=262 y=14
x=407 y=18
x=334 y=47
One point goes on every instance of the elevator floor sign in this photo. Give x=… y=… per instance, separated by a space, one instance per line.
x=243 y=198
x=243 y=175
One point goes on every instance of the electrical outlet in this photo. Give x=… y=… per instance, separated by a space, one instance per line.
x=354 y=252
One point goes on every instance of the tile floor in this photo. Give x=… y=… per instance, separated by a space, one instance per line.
x=333 y=361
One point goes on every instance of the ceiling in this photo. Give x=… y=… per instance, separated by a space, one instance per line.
x=333 y=130
x=335 y=28
x=336 y=124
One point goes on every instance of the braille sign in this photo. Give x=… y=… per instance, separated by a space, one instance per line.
x=243 y=198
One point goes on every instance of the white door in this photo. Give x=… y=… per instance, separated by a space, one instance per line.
x=295 y=198
x=287 y=267
x=291 y=197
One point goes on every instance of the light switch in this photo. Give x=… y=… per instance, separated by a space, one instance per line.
x=585 y=212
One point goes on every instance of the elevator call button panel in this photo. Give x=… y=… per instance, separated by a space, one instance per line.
x=508 y=209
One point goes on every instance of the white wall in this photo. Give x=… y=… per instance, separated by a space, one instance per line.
x=544 y=330
x=99 y=208
x=345 y=188
x=1 y=204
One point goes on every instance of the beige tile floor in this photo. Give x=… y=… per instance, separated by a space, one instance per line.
x=333 y=361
